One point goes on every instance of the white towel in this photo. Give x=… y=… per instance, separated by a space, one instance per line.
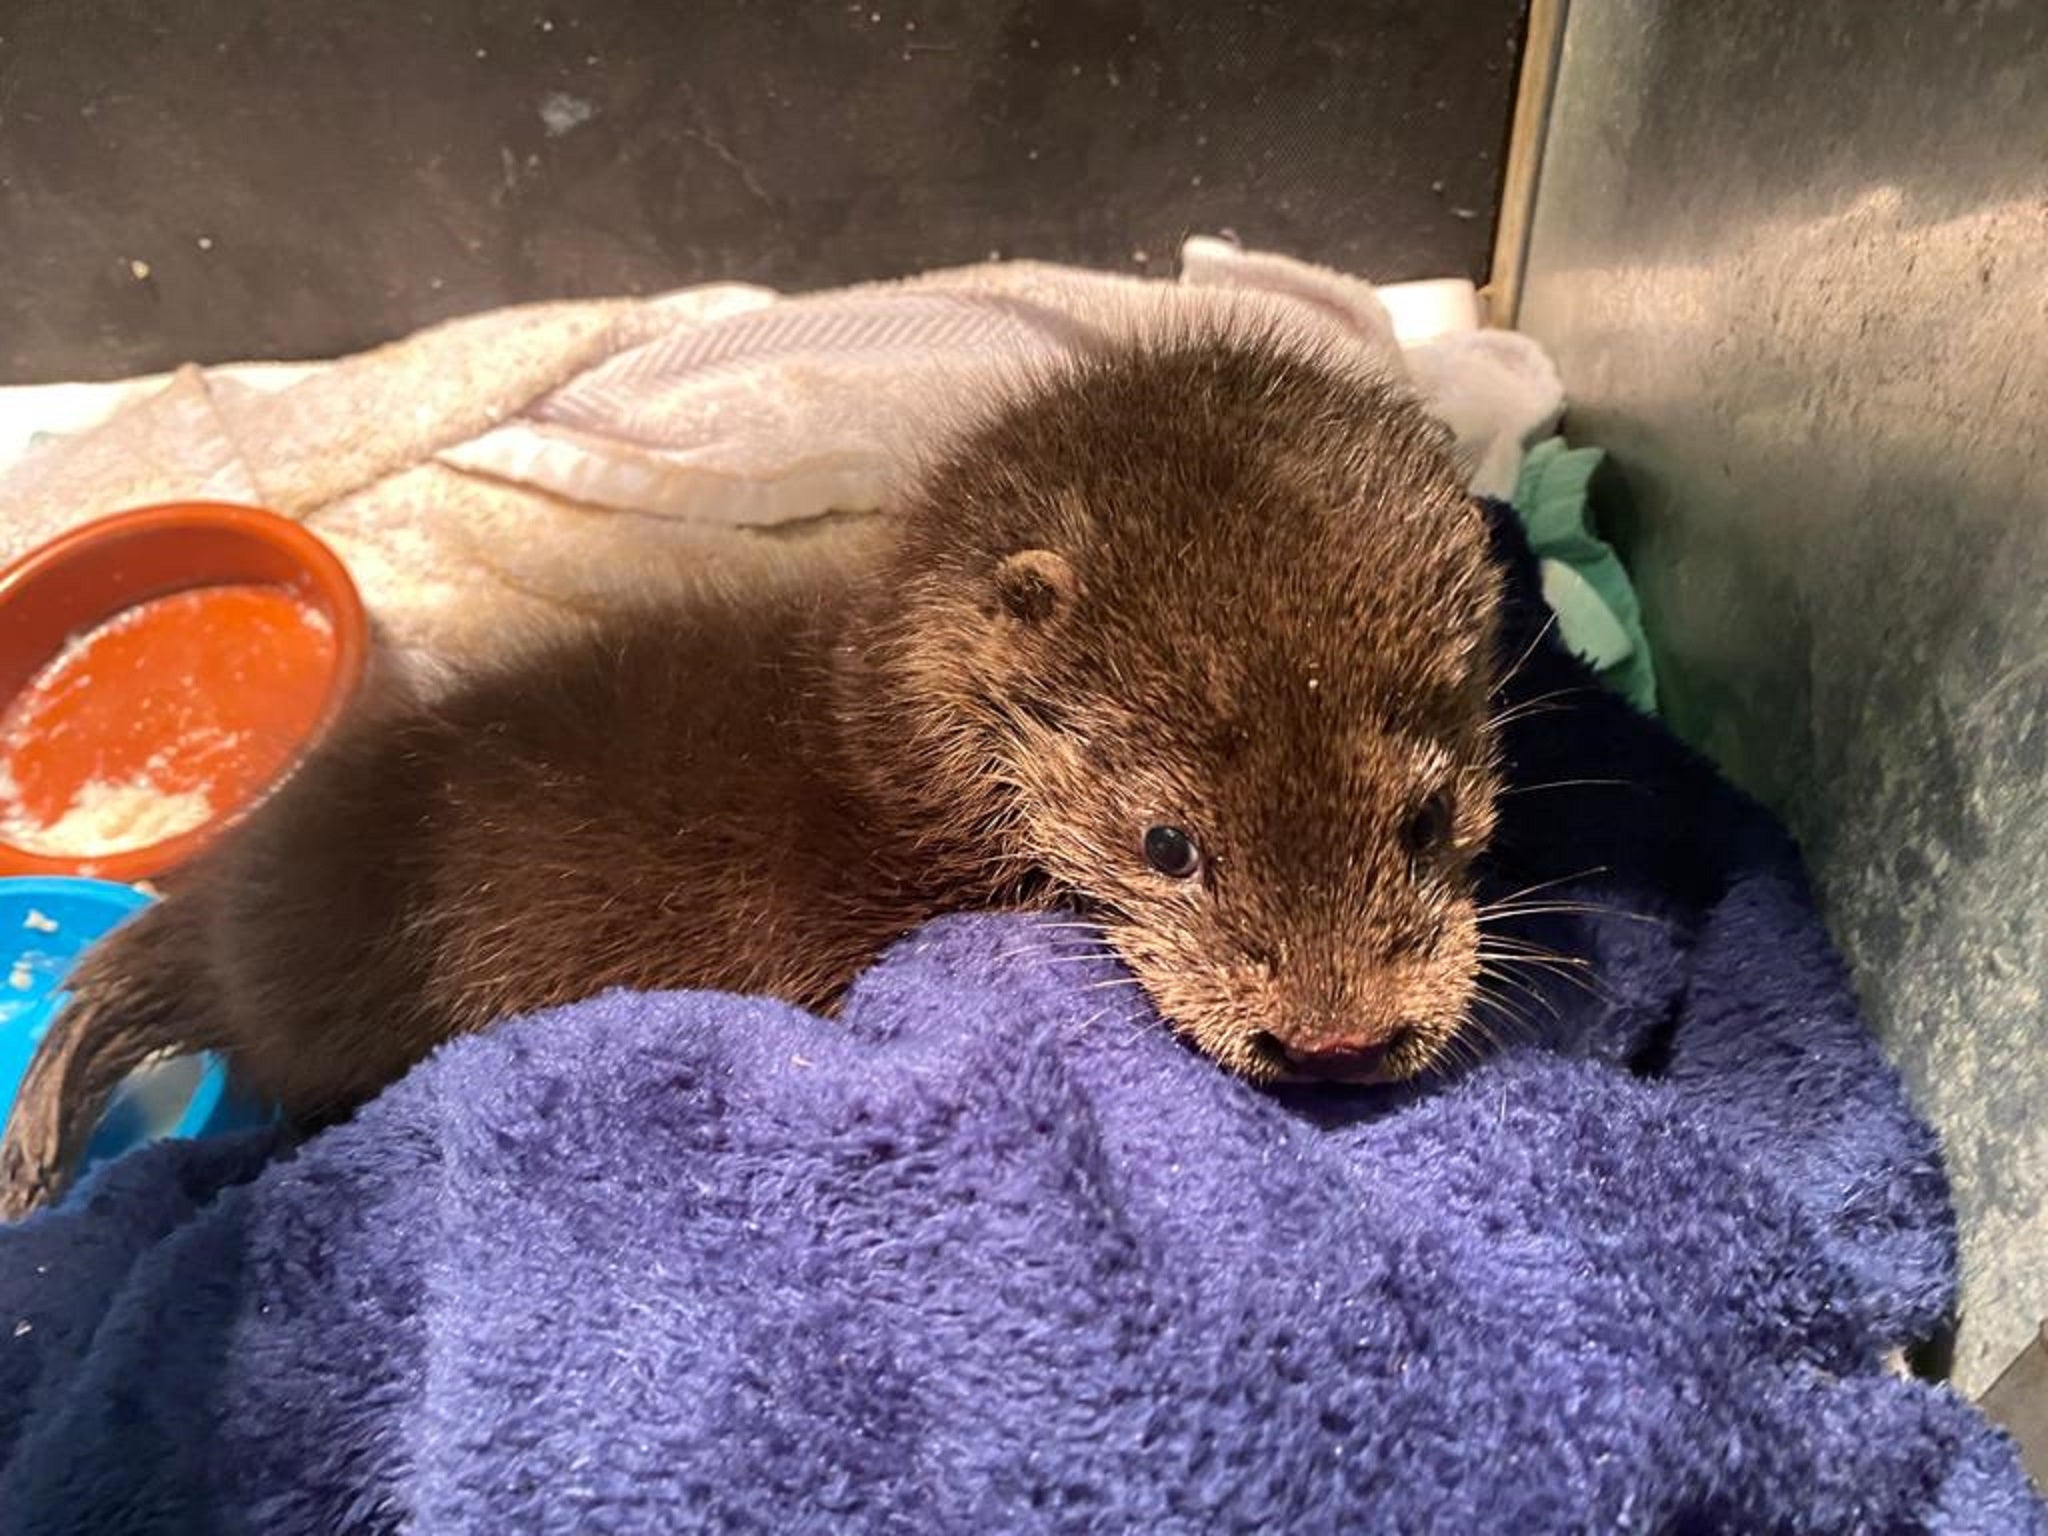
x=543 y=462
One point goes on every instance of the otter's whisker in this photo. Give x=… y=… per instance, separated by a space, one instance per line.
x=1542 y=703
x=1556 y=880
x=1500 y=1005
x=1549 y=623
x=1531 y=991
x=1531 y=954
x=1480 y=1026
x=1527 y=946
x=1087 y=1026
x=1028 y=951
x=1586 y=984
x=1532 y=789
x=1507 y=949
x=1539 y=1000
x=1575 y=908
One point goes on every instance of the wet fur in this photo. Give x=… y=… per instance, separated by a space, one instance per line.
x=1212 y=582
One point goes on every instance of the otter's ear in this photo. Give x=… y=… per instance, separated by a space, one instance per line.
x=1033 y=585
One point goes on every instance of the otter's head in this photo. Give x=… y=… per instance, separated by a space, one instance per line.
x=1201 y=635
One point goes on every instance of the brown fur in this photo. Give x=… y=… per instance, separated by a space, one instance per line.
x=1205 y=582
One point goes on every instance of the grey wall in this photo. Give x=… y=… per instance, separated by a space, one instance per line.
x=1789 y=255
x=219 y=179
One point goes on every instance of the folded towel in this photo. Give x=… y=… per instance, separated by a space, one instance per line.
x=532 y=466
x=994 y=1253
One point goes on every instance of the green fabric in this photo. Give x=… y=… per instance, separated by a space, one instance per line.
x=1583 y=580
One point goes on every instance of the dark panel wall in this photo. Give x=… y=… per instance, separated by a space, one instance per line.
x=217 y=179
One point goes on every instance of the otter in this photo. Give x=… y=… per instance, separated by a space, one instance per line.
x=1193 y=635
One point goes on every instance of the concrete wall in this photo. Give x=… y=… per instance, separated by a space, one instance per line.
x=1792 y=258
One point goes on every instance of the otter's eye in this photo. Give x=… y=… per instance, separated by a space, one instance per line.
x=1172 y=852
x=1428 y=827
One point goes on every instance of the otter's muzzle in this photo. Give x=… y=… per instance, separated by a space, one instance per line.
x=1341 y=1061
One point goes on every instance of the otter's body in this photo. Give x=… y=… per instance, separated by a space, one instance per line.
x=1197 y=636
x=660 y=803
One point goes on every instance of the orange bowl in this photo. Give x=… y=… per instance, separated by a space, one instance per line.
x=194 y=648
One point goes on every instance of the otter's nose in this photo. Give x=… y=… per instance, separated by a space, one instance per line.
x=1357 y=1060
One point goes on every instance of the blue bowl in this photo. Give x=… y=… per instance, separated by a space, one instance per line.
x=46 y=923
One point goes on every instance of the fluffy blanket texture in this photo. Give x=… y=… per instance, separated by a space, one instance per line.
x=994 y=1253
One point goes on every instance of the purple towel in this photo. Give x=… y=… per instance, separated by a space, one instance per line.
x=994 y=1253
